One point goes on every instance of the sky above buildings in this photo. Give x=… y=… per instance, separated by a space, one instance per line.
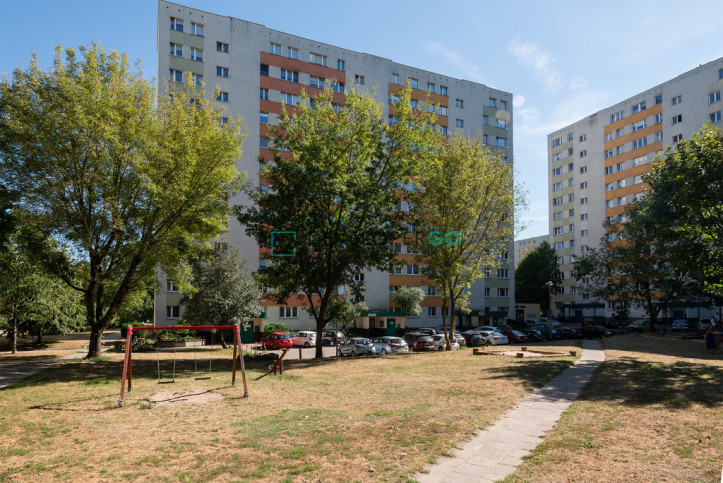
x=562 y=60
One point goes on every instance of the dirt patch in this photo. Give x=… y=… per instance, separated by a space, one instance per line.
x=167 y=398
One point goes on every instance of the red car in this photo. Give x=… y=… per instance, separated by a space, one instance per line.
x=515 y=336
x=276 y=340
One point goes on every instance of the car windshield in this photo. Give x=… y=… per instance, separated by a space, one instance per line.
x=284 y=336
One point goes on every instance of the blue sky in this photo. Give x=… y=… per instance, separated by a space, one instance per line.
x=563 y=59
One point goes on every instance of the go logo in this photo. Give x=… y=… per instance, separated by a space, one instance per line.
x=453 y=238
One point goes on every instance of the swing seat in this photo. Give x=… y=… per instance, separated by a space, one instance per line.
x=166 y=382
x=202 y=378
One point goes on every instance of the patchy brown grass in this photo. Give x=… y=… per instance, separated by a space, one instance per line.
x=651 y=412
x=68 y=342
x=347 y=419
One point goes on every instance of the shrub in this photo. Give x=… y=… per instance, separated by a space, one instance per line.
x=276 y=327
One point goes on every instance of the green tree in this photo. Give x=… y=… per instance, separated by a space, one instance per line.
x=532 y=275
x=686 y=198
x=408 y=299
x=19 y=289
x=334 y=180
x=126 y=178
x=344 y=313
x=225 y=293
x=465 y=189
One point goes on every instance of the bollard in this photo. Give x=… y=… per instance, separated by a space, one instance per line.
x=300 y=353
x=520 y=355
x=573 y=353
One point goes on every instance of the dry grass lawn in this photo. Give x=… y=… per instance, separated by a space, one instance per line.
x=338 y=419
x=652 y=412
x=69 y=342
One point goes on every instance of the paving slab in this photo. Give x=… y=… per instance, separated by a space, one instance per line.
x=12 y=371
x=496 y=452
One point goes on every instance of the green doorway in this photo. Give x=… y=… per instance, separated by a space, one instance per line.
x=392 y=327
x=247 y=332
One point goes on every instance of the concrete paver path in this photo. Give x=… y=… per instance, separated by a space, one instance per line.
x=14 y=370
x=495 y=453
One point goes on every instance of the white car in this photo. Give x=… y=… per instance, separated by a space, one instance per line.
x=304 y=338
x=484 y=328
x=388 y=345
x=440 y=344
x=495 y=338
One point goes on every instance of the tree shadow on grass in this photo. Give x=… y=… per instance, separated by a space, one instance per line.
x=633 y=382
x=661 y=345
x=532 y=373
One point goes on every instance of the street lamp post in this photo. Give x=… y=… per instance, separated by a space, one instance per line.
x=549 y=310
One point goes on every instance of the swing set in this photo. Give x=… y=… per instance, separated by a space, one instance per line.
x=128 y=360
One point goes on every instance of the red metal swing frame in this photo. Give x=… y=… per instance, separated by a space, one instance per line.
x=128 y=360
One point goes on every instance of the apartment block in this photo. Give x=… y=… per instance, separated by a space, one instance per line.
x=525 y=246
x=596 y=166
x=256 y=68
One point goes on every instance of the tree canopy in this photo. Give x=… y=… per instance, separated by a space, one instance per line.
x=125 y=178
x=336 y=174
x=532 y=275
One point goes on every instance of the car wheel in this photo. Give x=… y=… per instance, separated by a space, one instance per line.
x=306 y=344
x=440 y=349
x=384 y=351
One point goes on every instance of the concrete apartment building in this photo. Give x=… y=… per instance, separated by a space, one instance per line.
x=524 y=246
x=255 y=68
x=596 y=167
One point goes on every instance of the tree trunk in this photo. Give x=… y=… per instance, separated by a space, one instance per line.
x=96 y=333
x=40 y=335
x=14 y=339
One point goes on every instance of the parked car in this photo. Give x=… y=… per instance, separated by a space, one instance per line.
x=639 y=325
x=276 y=340
x=419 y=342
x=304 y=338
x=568 y=332
x=460 y=339
x=534 y=335
x=332 y=337
x=495 y=338
x=440 y=343
x=389 y=345
x=473 y=339
x=515 y=335
x=594 y=332
x=427 y=331
x=356 y=346
x=680 y=325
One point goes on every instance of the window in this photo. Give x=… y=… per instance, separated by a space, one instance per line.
x=557 y=186
x=502 y=142
x=616 y=117
x=359 y=79
x=197 y=54
x=503 y=273
x=177 y=50
x=559 y=245
x=639 y=143
x=316 y=82
x=340 y=65
x=170 y=286
x=571 y=182
x=197 y=29
x=583 y=217
x=221 y=71
x=583 y=153
x=609 y=170
x=557 y=157
x=177 y=24
x=460 y=103
x=395 y=78
x=485 y=120
x=431 y=311
x=501 y=123
x=442 y=110
x=503 y=105
x=658 y=118
x=264 y=117
x=444 y=131
x=584 y=232
x=556 y=142
x=583 y=201
x=493 y=102
x=393 y=120
x=715 y=117
x=414 y=83
x=264 y=94
x=176 y=76
x=503 y=292
x=432 y=291
x=677 y=100
x=677 y=119
x=414 y=103
x=222 y=47
x=412 y=269
x=558 y=201
x=292 y=53
x=289 y=75
x=720 y=73
x=172 y=311
x=264 y=69
x=658 y=99
x=583 y=185
x=459 y=123
x=289 y=99
x=620 y=149
x=223 y=121
x=712 y=98
x=570 y=166
x=431 y=87
x=487 y=291
x=570 y=136
x=677 y=137
x=338 y=87
x=223 y=96
x=556 y=171
x=443 y=90
x=639 y=107
x=197 y=79
x=263 y=142
x=275 y=48
x=637 y=126
x=584 y=248
x=583 y=138
x=288 y=312
x=558 y=231
x=583 y=169
x=485 y=139
x=609 y=137
x=571 y=212
x=557 y=216
x=317 y=59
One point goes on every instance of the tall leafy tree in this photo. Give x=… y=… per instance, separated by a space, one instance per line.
x=127 y=179
x=686 y=198
x=465 y=195
x=225 y=293
x=409 y=299
x=532 y=275
x=335 y=177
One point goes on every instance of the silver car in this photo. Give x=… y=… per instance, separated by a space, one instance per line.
x=441 y=344
x=495 y=338
x=356 y=346
x=389 y=345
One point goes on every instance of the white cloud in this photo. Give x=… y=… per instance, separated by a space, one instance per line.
x=467 y=68
x=541 y=63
